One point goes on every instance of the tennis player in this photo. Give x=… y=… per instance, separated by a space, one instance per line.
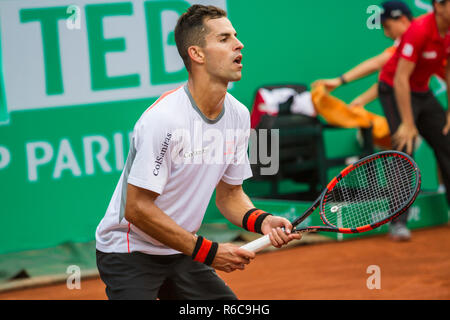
x=191 y=141
x=409 y=105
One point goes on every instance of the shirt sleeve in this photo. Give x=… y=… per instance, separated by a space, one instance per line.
x=151 y=165
x=412 y=43
x=239 y=169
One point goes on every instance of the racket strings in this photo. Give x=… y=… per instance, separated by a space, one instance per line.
x=370 y=193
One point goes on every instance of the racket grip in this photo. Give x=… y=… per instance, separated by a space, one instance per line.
x=258 y=244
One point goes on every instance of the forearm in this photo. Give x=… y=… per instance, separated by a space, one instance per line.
x=233 y=204
x=360 y=71
x=367 y=67
x=367 y=97
x=403 y=97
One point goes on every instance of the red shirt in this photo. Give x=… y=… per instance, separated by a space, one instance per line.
x=423 y=45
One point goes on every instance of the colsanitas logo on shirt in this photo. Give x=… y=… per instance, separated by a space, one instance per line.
x=162 y=153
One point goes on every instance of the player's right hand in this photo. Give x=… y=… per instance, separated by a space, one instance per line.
x=230 y=257
x=330 y=84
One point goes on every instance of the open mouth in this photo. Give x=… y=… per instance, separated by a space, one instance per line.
x=238 y=60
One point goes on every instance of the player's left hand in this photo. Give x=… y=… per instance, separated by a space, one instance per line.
x=279 y=230
x=446 y=129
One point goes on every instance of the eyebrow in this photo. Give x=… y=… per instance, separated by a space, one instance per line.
x=226 y=34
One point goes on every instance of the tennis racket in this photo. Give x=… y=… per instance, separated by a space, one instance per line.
x=364 y=196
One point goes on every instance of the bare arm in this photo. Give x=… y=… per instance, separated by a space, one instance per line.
x=233 y=203
x=363 y=69
x=403 y=91
x=407 y=131
x=142 y=212
x=367 y=67
x=366 y=97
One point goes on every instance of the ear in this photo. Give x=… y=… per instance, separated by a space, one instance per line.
x=196 y=54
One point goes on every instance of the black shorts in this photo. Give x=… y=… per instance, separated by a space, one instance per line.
x=140 y=276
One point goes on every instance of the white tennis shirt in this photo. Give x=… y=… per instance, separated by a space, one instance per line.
x=180 y=154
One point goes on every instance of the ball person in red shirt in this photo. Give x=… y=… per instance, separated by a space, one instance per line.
x=409 y=105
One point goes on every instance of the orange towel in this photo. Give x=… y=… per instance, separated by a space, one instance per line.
x=337 y=113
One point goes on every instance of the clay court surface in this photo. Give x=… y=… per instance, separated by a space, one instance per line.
x=418 y=269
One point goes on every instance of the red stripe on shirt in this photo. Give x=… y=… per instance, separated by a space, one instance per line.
x=128 y=237
x=165 y=94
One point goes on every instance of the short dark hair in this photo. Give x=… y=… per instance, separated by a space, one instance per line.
x=190 y=29
x=437 y=1
x=394 y=10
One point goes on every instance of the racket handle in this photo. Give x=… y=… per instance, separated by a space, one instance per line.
x=258 y=244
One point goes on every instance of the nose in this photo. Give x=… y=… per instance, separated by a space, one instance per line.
x=239 y=45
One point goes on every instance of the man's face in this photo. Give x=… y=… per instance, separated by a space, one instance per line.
x=444 y=11
x=394 y=28
x=222 y=50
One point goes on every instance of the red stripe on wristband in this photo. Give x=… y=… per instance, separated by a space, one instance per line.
x=252 y=219
x=203 y=251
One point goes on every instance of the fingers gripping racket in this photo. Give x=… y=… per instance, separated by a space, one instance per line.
x=364 y=196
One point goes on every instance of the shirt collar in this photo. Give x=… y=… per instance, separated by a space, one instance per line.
x=196 y=108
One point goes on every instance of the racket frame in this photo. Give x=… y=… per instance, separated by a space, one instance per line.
x=321 y=200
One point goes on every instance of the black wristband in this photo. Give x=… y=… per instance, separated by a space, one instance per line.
x=211 y=254
x=205 y=250
x=198 y=244
x=343 y=81
x=253 y=220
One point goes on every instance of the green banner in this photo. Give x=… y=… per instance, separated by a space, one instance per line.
x=76 y=75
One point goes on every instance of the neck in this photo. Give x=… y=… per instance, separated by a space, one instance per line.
x=442 y=25
x=209 y=95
